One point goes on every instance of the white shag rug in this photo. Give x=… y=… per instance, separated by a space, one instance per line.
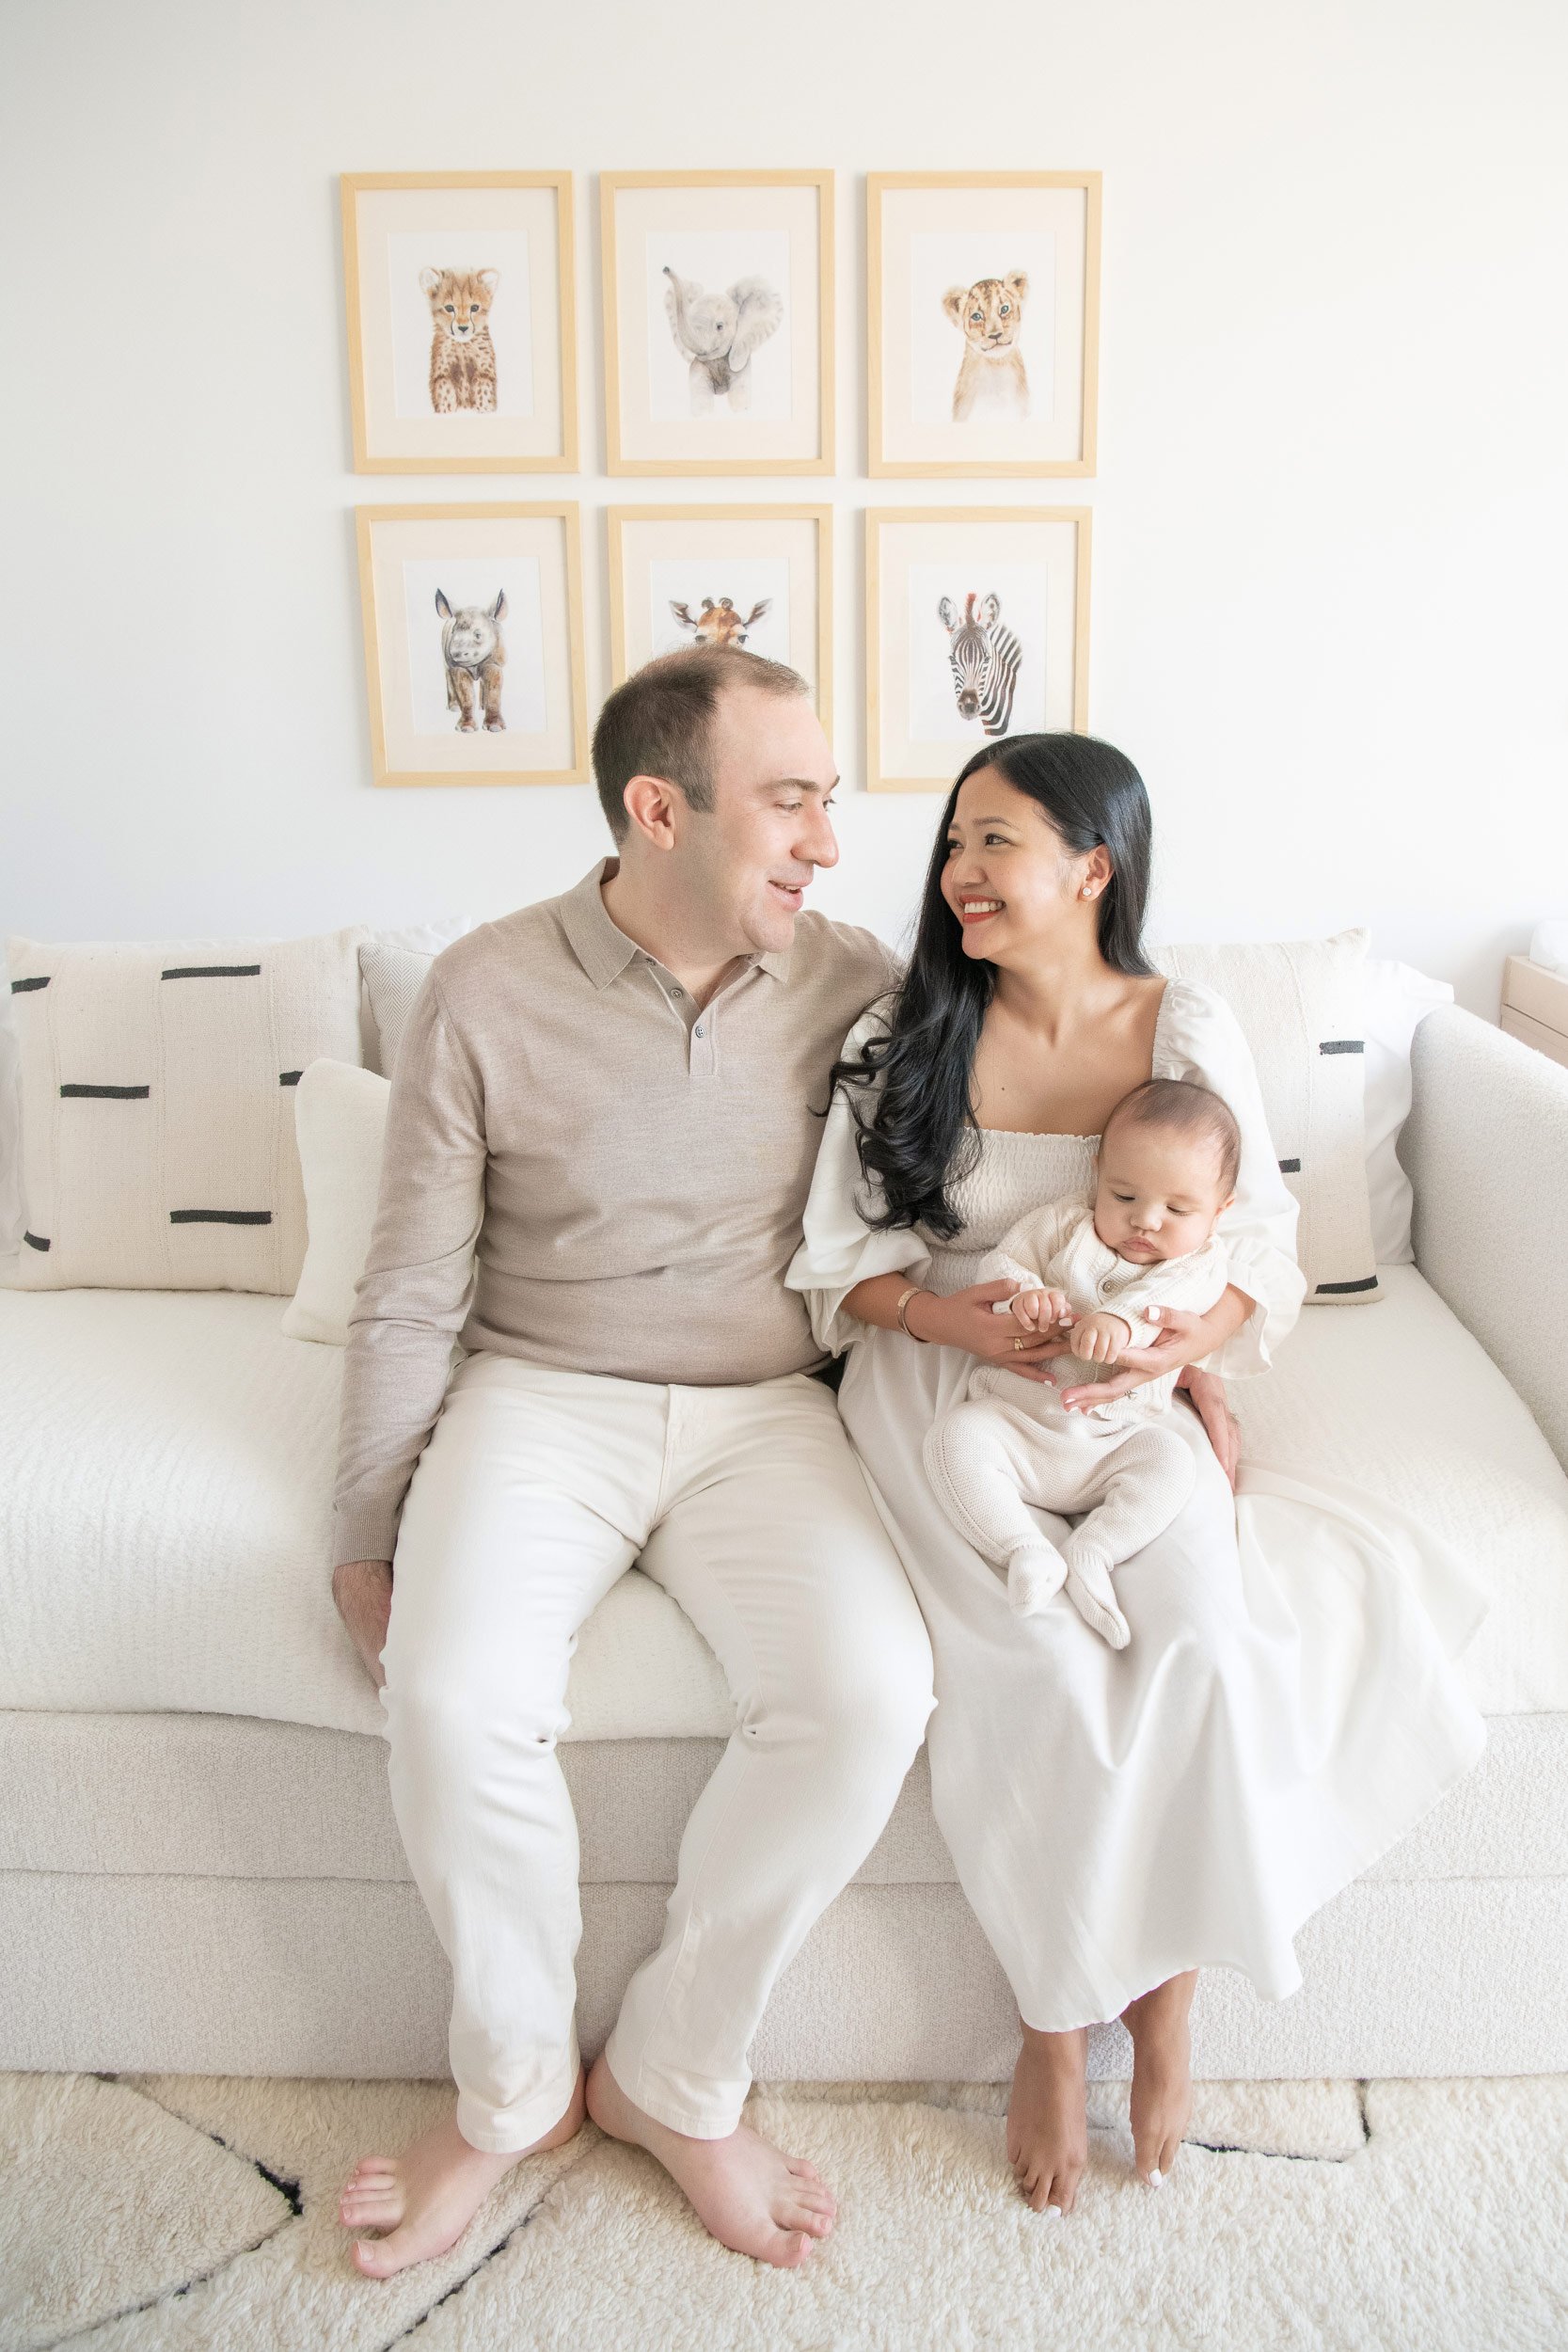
x=199 y=2214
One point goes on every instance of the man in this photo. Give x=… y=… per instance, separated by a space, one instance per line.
x=602 y=1120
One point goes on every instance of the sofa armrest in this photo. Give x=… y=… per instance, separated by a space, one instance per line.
x=1487 y=1151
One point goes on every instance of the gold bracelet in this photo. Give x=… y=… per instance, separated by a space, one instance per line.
x=914 y=1291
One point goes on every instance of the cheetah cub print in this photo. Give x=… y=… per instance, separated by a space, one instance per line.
x=991 y=373
x=461 y=356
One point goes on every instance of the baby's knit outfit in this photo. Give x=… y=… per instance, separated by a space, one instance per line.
x=1011 y=1442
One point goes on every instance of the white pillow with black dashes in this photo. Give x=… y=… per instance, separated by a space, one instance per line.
x=1301 y=1007
x=157 y=1127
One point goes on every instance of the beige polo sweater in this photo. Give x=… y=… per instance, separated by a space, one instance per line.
x=583 y=1169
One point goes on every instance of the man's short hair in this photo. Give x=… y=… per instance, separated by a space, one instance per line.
x=1185 y=1108
x=659 y=723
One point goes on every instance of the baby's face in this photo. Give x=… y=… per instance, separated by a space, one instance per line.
x=1159 y=1195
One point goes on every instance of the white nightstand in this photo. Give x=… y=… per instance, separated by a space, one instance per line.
x=1535 y=1006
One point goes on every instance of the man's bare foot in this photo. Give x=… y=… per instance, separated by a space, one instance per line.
x=751 y=2198
x=1161 y=2073
x=363 y=1592
x=426 y=2198
x=1048 y=2131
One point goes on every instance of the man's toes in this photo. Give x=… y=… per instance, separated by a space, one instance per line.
x=381 y=2211
x=369 y=2176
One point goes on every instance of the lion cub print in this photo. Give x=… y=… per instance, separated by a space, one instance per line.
x=992 y=375
x=461 y=356
x=474 y=651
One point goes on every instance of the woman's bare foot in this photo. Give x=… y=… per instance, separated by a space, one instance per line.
x=362 y=1590
x=426 y=2198
x=1048 y=2131
x=1161 y=2073
x=749 y=2195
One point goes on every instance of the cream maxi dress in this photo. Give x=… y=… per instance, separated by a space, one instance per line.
x=1288 y=1705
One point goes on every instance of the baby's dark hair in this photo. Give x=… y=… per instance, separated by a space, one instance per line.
x=1185 y=1109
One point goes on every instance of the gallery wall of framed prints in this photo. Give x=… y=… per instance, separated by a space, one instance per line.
x=717 y=314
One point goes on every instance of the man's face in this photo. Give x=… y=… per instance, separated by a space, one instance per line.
x=750 y=861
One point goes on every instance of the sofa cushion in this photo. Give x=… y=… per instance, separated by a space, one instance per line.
x=1408 y=1407
x=166 y=1519
x=164 y=1516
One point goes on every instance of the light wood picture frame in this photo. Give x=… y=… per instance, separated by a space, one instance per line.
x=759 y=576
x=983 y=322
x=697 y=267
x=462 y=321
x=473 y=625
x=978 y=627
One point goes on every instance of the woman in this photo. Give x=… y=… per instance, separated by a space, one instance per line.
x=1118 y=1818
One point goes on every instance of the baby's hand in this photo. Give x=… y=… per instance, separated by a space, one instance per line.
x=1040 y=1311
x=1099 y=1338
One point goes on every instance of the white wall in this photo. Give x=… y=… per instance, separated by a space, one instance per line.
x=1331 y=561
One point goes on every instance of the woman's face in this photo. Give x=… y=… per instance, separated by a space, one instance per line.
x=1009 y=879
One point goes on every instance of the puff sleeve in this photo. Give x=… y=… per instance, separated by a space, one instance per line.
x=838 y=1248
x=1199 y=1038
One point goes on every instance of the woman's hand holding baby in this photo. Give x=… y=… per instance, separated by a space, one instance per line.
x=969 y=1319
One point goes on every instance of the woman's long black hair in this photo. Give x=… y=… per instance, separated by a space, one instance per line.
x=921 y=1137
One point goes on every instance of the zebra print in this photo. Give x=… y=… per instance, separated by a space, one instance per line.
x=985 y=659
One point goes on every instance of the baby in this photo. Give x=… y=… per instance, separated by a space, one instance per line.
x=1167 y=1168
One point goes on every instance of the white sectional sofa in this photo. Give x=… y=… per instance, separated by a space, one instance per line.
x=199 y=1866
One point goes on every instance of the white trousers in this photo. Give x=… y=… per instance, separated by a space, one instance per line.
x=537 y=1491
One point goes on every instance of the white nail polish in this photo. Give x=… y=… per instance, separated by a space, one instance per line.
x=1156 y=2179
x=1054 y=2213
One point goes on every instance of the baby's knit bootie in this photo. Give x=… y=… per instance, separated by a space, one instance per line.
x=1036 y=1574
x=1090 y=1591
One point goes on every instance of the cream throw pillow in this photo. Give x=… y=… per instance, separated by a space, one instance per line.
x=1300 y=1005
x=156 y=1086
x=339 y=1119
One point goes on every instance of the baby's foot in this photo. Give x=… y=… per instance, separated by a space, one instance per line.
x=1036 y=1574
x=1090 y=1591
x=1048 y=2131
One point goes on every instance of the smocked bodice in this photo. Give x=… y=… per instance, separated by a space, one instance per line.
x=1013 y=1174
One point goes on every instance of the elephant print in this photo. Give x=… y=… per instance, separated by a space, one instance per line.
x=716 y=334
